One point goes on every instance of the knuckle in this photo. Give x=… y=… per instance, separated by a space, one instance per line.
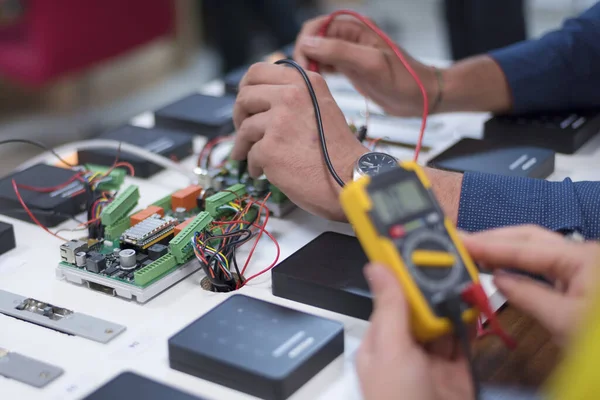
x=317 y=81
x=375 y=64
x=243 y=129
x=280 y=120
x=291 y=96
x=255 y=69
x=310 y=25
x=242 y=97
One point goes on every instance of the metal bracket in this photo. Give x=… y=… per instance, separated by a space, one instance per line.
x=27 y=370
x=59 y=319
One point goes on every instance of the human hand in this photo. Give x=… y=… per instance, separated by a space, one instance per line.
x=277 y=134
x=351 y=48
x=392 y=365
x=572 y=268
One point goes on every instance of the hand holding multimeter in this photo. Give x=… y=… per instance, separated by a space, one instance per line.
x=400 y=225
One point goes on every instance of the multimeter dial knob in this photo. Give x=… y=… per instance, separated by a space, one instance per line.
x=432 y=260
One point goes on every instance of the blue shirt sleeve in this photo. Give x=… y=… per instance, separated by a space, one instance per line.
x=494 y=393
x=558 y=71
x=492 y=201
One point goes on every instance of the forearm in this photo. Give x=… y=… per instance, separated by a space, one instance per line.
x=555 y=72
x=475 y=84
x=446 y=188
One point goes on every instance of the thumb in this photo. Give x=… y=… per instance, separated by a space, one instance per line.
x=390 y=318
x=339 y=53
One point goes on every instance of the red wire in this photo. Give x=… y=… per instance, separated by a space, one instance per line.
x=209 y=145
x=264 y=225
x=126 y=165
x=75 y=177
x=28 y=211
x=119 y=164
x=314 y=66
x=481 y=331
x=272 y=264
x=91 y=221
x=53 y=188
x=475 y=296
x=263 y=230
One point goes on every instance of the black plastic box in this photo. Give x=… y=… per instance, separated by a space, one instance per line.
x=472 y=155
x=7 y=237
x=256 y=347
x=563 y=132
x=233 y=78
x=50 y=208
x=167 y=143
x=326 y=273
x=128 y=385
x=198 y=114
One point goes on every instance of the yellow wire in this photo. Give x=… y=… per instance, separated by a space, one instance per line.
x=236 y=206
x=215 y=251
x=94 y=176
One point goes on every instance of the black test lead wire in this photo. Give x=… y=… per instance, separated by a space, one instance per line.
x=318 y=117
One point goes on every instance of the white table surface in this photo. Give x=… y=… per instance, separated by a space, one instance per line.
x=29 y=270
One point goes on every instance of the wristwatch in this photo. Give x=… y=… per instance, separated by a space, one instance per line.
x=373 y=163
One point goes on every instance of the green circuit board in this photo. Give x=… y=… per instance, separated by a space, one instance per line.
x=149 y=266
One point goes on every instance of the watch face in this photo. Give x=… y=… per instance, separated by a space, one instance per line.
x=375 y=163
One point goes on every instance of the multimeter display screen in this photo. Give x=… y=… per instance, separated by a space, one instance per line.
x=399 y=201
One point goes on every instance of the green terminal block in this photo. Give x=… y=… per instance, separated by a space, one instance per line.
x=164 y=203
x=180 y=246
x=158 y=268
x=120 y=206
x=114 y=231
x=217 y=200
x=277 y=195
x=117 y=176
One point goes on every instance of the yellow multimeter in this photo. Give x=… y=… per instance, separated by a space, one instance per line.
x=400 y=224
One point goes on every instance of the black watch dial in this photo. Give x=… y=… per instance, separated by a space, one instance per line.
x=375 y=163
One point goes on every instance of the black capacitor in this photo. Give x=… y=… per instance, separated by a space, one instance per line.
x=120 y=274
x=140 y=258
x=111 y=270
x=147 y=262
x=95 y=262
x=157 y=250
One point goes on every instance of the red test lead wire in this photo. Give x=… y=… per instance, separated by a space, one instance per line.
x=476 y=297
x=314 y=66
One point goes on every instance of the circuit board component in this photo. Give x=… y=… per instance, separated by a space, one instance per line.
x=278 y=203
x=150 y=231
x=155 y=269
x=214 y=202
x=114 y=180
x=134 y=260
x=69 y=249
x=145 y=251
x=180 y=246
x=121 y=205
